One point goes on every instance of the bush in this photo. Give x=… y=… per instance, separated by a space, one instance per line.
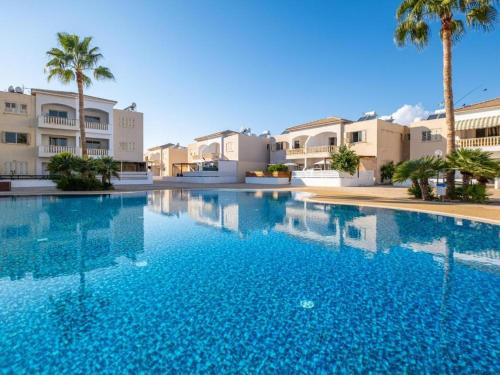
x=277 y=168
x=345 y=160
x=79 y=183
x=416 y=191
x=474 y=193
x=387 y=171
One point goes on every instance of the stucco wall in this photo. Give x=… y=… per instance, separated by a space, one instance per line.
x=419 y=148
x=128 y=135
x=20 y=123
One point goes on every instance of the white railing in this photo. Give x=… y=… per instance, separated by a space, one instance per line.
x=50 y=149
x=97 y=152
x=295 y=151
x=321 y=149
x=54 y=120
x=479 y=142
x=316 y=173
x=96 y=126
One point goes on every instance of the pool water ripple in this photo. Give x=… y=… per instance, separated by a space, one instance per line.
x=239 y=282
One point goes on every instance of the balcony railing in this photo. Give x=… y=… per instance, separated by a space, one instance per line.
x=206 y=156
x=96 y=126
x=62 y=122
x=295 y=151
x=321 y=149
x=479 y=142
x=54 y=120
x=311 y=150
x=97 y=152
x=50 y=150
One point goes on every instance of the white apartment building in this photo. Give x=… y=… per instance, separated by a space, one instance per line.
x=166 y=160
x=39 y=125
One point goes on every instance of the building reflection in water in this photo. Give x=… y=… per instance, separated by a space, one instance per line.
x=55 y=236
x=370 y=230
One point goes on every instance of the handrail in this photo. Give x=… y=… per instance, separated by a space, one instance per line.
x=63 y=121
x=51 y=149
x=479 y=142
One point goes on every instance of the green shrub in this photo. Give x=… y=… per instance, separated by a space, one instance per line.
x=277 y=168
x=474 y=193
x=387 y=171
x=345 y=160
x=79 y=183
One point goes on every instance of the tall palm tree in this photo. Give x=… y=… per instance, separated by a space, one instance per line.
x=414 y=17
x=73 y=61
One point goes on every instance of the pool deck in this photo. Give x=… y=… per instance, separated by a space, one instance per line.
x=374 y=196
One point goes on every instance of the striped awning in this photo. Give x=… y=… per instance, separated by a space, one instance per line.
x=478 y=123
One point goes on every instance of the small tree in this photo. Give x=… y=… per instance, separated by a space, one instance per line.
x=62 y=164
x=345 y=160
x=387 y=171
x=419 y=171
x=107 y=167
x=474 y=163
x=277 y=168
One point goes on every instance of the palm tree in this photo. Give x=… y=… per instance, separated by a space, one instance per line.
x=345 y=160
x=74 y=60
x=419 y=171
x=62 y=164
x=474 y=163
x=107 y=167
x=414 y=17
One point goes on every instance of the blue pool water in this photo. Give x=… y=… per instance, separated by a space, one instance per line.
x=243 y=282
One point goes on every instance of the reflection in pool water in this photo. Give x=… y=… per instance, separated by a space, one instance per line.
x=227 y=281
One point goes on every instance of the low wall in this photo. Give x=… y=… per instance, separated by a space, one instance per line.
x=32 y=183
x=332 y=178
x=267 y=180
x=203 y=179
x=133 y=178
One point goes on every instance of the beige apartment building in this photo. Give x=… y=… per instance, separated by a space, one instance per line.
x=36 y=126
x=476 y=126
x=166 y=160
x=309 y=146
x=230 y=152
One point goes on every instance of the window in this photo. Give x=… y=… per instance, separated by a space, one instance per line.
x=296 y=144
x=16 y=138
x=127 y=146
x=493 y=132
x=61 y=114
x=63 y=142
x=10 y=107
x=332 y=141
x=280 y=146
x=229 y=146
x=93 y=119
x=430 y=135
x=355 y=137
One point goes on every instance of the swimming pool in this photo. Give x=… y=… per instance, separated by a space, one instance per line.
x=243 y=282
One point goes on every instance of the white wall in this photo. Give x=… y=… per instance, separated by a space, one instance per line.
x=331 y=178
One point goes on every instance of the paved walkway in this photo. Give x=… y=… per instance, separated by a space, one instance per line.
x=374 y=196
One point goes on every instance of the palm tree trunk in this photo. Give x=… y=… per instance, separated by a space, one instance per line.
x=424 y=187
x=448 y=100
x=81 y=114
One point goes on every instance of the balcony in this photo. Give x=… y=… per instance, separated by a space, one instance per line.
x=62 y=123
x=487 y=142
x=206 y=156
x=53 y=122
x=312 y=151
x=49 y=151
x=98 y=152
x=96 y=126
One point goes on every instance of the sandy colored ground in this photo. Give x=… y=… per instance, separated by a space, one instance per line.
x=374 y=196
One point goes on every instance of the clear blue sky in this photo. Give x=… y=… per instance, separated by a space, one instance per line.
x=194 y=67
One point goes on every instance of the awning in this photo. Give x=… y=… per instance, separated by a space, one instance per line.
x=478 y=123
